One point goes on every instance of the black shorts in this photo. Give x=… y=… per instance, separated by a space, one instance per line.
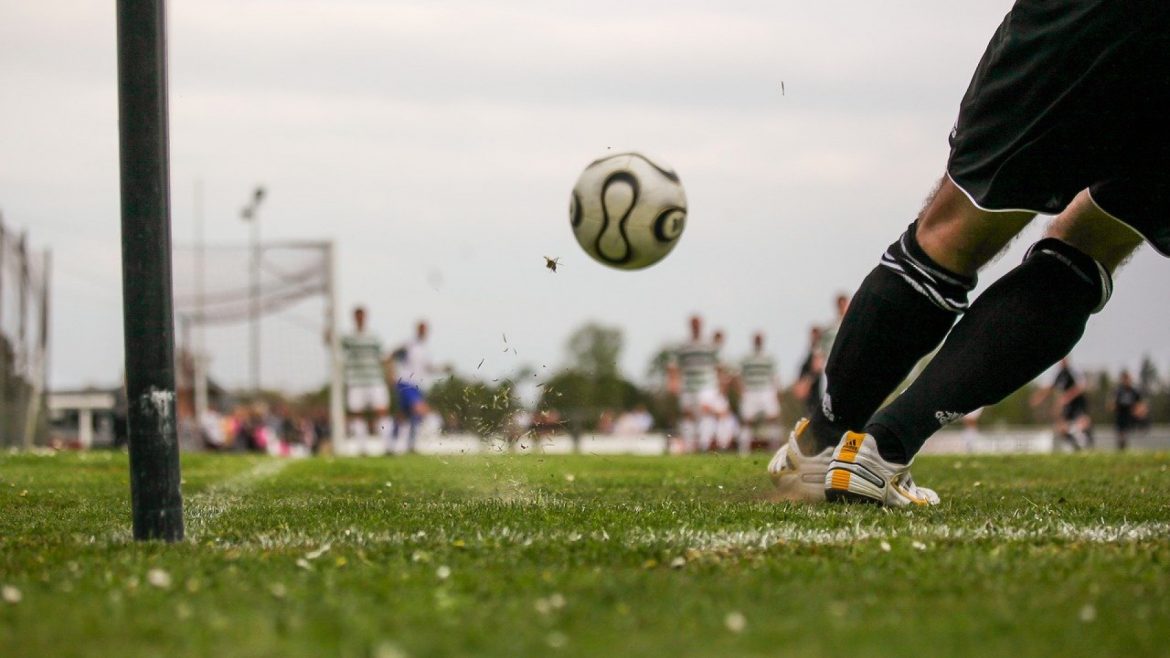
x=1072 y=95
x=1074 y=410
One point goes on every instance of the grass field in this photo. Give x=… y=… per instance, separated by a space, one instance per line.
x=584 y=556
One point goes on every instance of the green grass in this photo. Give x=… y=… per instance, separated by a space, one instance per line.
x=584 y=556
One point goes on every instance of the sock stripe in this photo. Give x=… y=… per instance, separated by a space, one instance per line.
x=933 y=272
x=946 y=290
x=1102 y=281
x=922 y=284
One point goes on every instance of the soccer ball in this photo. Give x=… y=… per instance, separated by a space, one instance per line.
x=628 y=211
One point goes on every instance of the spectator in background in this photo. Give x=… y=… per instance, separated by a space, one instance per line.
x=634 y=422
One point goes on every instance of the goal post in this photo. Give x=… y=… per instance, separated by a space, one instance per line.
x=147 y=303
x=337 y=424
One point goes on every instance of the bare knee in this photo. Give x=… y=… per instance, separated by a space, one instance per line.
x=961 y=237
x=1093 y=231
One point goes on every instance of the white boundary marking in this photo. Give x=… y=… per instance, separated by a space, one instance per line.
x=203 y=508
x=714 y=540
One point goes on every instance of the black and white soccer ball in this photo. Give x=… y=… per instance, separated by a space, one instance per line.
x=628 y=211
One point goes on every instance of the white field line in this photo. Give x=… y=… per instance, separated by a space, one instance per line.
x=203 y=508
x=715 y=540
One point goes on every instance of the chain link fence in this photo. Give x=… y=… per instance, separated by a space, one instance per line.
x=24 y=334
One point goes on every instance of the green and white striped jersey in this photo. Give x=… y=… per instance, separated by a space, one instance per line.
x=758 y=372
x=698 y=362
x=362 y=360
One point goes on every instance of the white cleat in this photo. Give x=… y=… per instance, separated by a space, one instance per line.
x=858 y=474
x=798 y=476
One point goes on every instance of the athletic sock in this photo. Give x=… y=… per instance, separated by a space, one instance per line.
x=901 y=312
x=1019 y=327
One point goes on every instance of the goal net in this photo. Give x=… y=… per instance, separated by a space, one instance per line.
x=255 y=322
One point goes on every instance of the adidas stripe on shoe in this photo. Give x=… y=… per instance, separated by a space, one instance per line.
x=858 y=474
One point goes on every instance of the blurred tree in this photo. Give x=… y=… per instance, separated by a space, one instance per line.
x=1016 y=409
x=592 y=383
x=474 y=406
x=656 y=369
x=595 y=349
x=1148 y=381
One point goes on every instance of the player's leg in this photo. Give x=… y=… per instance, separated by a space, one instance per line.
x=409 y=397
x=708 y=419
x=1084 y=425
x=1060 y=430
x=1018 y=328
x=688 y=431
x=418 y=411
x=707 y=425
x=770 y=432
x=901 y=312
x=727 y=431
x=905 y=307
x=749 y=416
x=688 y=422
x=725 y=423
x=355 y=407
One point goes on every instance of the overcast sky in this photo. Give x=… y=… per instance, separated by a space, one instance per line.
x=437 y=142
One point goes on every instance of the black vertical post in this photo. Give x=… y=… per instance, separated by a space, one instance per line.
x=147 y=306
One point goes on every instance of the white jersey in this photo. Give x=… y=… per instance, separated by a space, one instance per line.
x=758 y=373
x=415 y=367
x=362 y=359
x=698 y=362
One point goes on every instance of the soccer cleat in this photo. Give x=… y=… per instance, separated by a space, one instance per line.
x=796 y=475
x=858 y=474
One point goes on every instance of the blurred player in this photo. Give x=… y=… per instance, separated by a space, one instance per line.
x=1072 y=423
x=414 y=370
x=759 y=402
x=1063 y=116
x=694 y=368
x=726 y=424
x=809 y=381
x=829 y=333
x=1129 y=409
x=365 y=380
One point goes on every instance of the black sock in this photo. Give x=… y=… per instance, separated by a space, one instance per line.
x=901 y=312
x=1019 y=327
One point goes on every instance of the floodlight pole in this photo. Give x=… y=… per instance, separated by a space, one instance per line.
x=251 y=214
x=198 y=364
x=147 y=304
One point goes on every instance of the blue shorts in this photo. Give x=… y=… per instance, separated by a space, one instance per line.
x=408 y=396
